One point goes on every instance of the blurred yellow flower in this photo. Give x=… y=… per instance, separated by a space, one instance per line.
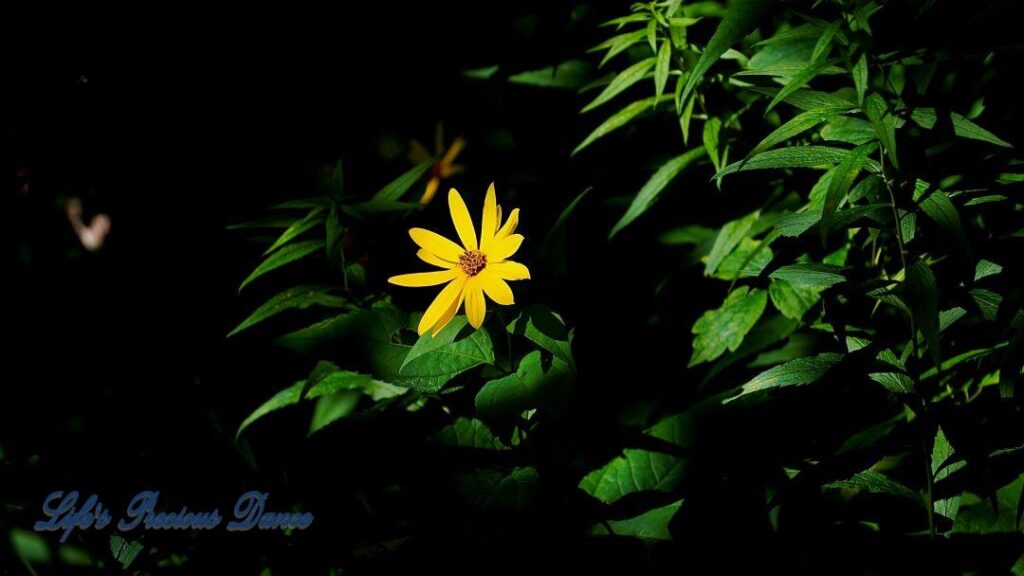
x=443 y=168
x=470 y=270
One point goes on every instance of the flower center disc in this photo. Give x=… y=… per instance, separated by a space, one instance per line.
x=472 y=262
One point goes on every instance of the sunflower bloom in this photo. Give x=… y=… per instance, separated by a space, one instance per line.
x=444 y=168
x=470 y=271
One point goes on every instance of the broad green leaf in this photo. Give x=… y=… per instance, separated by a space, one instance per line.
x=740 y=19
x=337 y=381
x=654 y=186
x=124 y=551
x=662 y=67
x=962 y=127
x=684 y=235
x=516 y=491
x=848 y=129
x=469 y=433
x=843 y=177
x=923 y=295
x=569 y=75
x=528 y=388
x=884 y=124
x=397 y=188
x=299 y=227
x=287 y=397
x=806 y=99
x=940 y=209
x=798 y=372
x=299 y=297
x=795 y=126
x=333 y=407
x=624 y=80
x=792 y=157
x=767 y=332
x=30 y=547
x=860 y=77
x=961 y=358
x=810 y=274
x=985 y=268
x=800 y=80
x=944 y=464
x=895 y=381
x=992 y=517
x=875 y=483
x=724 y=328
x=793 y=300
x=637 y=470
x=728 y=239
x=285 y=255
x=651 y=525
x=433 y=361
x=546 y=329
x=988 y=303
x=712 y=129
x=746 y=261
x=620 y=119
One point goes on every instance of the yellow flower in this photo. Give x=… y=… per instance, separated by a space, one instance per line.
x=470 y=270
x=443 y=168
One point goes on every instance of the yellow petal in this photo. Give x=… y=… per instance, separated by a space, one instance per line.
x=431 y=258
x=504 y=248
x=463 y=223
x=509 y=226
x=509 y=270
x=436 y=244
x=448 y=315
x=440 y=305
x=496 y=288
x=432 y=185
x=454 y=151
x=476 y=306
x=447 y=171
x=421 y=279
x=488 y=224
x=497 y=221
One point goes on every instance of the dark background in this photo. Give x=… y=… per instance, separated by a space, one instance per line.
x=119 y=377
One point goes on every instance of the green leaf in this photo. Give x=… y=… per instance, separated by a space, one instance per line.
x=940 y=209
x=798 y=372
x=792 y=157
x=712 y=129
x=546 y=329
x=620 y=119
x=333 y=407
x=810 y=274
x=793 y=300
x=282 y=399
x=399 y=186
x=654 y=186
x=740 y=18
x=923 y=295
x=624 y=80
x=724 y=328
x=285 y=255
x=618 y=44
x=336 y=381
x=746 y=261
x=988 y=303
x=874 y=483
x=299 y=297
x=848 y=129
x=636 y=470
x=433 y=361
x=795 y=126
x=805 y=99
x=683 y=235
x=124 y=551
x=944 y=464
x=884 y=124
x=984 y=269
x=516 y=491
x=728 y=239
x=860 y=77
x=895 y=381
x=30 y=547
x=563 y=217
x=469 y=433
x=662 y=67
x=569 y=75
x=962 y=127
x=651 y=525
x=296 y=229
x=824 y=44
x=800 y=80
x=999 y=516
x=843 y=177
x=528 y=388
